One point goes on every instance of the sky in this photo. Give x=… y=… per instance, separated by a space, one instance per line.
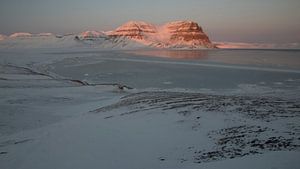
x=260 y=21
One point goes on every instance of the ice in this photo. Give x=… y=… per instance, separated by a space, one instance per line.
x=205 y=72
x=85 y=108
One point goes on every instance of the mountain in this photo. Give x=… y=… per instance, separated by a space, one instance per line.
x=29 y=35
x=179 y=34
x=135 y=30
x=45 y=34
x=39 y=41
x=91 y=35
x=20 y=35
x=2 y=37
x=131 y=35
x=186 y=34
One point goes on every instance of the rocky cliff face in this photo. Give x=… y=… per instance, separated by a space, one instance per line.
x=133 y=35
x=134 y=30
x=179 y=34
x=187 y=33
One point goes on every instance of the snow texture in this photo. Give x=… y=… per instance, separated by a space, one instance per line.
x=77 y=108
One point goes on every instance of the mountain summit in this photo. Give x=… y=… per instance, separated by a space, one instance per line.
x=134 y=30
x=187 y=33
x=178 y=34
x=131 y=35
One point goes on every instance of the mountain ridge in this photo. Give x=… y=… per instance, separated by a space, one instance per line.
x=130 y=35
x=177 y=34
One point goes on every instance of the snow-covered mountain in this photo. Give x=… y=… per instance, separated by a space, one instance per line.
x=179 y=34
x=91 y=35
x=131 y=35
x=186 y=34
x=135 y=30
x=38 y=41
x=29 y=35
x=2 y=37
x=20 y=35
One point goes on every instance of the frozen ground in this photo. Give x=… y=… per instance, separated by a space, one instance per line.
x=204 y=109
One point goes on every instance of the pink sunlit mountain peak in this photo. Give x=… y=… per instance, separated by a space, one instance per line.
x=130 y=35
x=178 y=34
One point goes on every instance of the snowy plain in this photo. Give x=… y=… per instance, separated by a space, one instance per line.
x=81 y=107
